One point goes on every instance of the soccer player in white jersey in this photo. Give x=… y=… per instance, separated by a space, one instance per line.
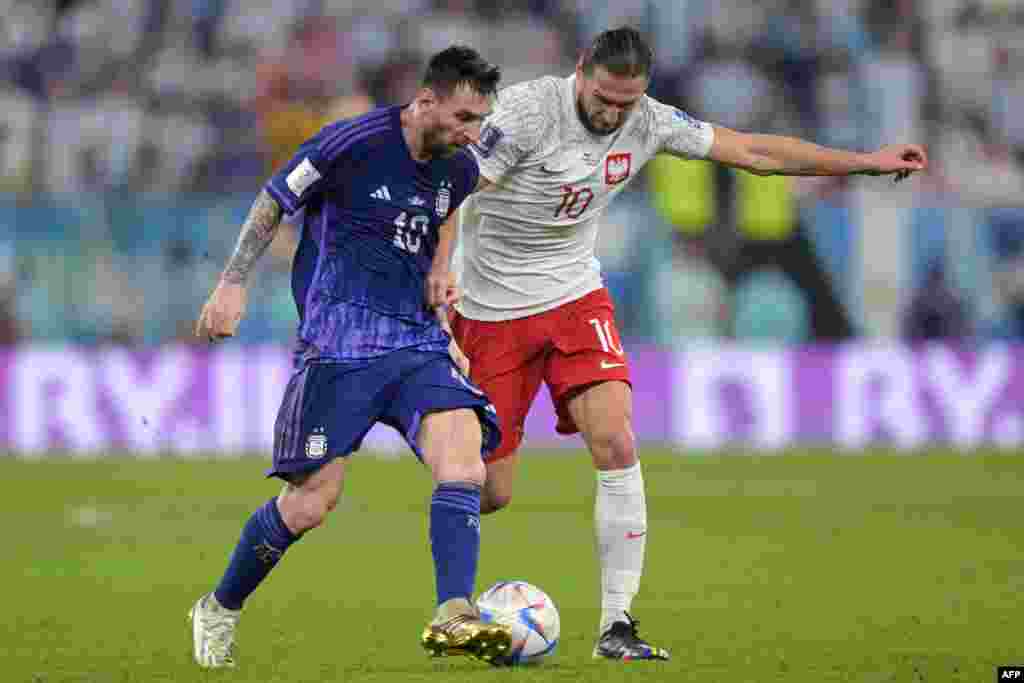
x=552 y=155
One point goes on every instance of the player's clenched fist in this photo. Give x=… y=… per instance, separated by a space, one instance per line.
x=901 y=160
x=222 y=312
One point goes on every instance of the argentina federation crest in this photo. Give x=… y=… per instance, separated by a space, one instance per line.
x=444 y=199
x=316 y=444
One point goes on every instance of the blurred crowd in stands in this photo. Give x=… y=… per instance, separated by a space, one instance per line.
x=134 y=134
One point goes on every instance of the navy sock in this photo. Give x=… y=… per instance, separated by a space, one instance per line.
x=455 y=538
x=263 y=542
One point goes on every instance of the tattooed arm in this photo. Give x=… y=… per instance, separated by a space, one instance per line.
x=226 y=305
x=258 y=232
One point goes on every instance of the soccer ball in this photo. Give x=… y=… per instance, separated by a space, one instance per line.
x=529 y=612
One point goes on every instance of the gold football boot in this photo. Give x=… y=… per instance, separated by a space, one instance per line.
x=457 y=630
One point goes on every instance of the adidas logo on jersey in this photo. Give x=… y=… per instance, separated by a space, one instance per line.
x=381 y=193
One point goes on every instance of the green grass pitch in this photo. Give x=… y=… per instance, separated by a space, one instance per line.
x=795 y=567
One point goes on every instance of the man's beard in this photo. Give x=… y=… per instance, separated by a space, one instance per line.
x=585 y=120
x=433 y=146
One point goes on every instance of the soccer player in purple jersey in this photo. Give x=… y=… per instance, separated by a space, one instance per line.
x=375 y=191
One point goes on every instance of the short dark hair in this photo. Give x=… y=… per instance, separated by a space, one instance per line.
x=622 y=51
x=459 y=65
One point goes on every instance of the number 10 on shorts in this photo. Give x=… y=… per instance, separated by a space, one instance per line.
x=605 y=336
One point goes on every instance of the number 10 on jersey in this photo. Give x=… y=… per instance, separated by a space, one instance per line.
x=409 y=232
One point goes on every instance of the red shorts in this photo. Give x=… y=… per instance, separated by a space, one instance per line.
x=569 y=347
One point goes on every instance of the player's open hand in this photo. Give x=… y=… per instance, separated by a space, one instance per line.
x=898 y=160
x=442 y=289
x=222 y=312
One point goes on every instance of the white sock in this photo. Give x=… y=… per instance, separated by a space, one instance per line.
x=620 y=517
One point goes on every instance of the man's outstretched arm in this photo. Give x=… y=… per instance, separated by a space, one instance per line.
x=781 y=155
x=226 y=305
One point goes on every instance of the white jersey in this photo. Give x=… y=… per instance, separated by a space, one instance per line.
x=527 y=244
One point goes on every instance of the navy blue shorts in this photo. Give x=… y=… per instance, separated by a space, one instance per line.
x=328 y=408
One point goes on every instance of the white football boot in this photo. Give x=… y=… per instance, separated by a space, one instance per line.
x=213 y=633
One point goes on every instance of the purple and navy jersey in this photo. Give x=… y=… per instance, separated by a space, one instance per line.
x=369 y=234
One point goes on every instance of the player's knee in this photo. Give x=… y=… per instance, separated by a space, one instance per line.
x=312 y=513
x=614 y=448
x=492 y=501
x=497 y=493
x=461 y=467
x=304 y=511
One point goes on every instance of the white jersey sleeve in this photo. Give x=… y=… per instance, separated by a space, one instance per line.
x=678 y=133
x=517 y=127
